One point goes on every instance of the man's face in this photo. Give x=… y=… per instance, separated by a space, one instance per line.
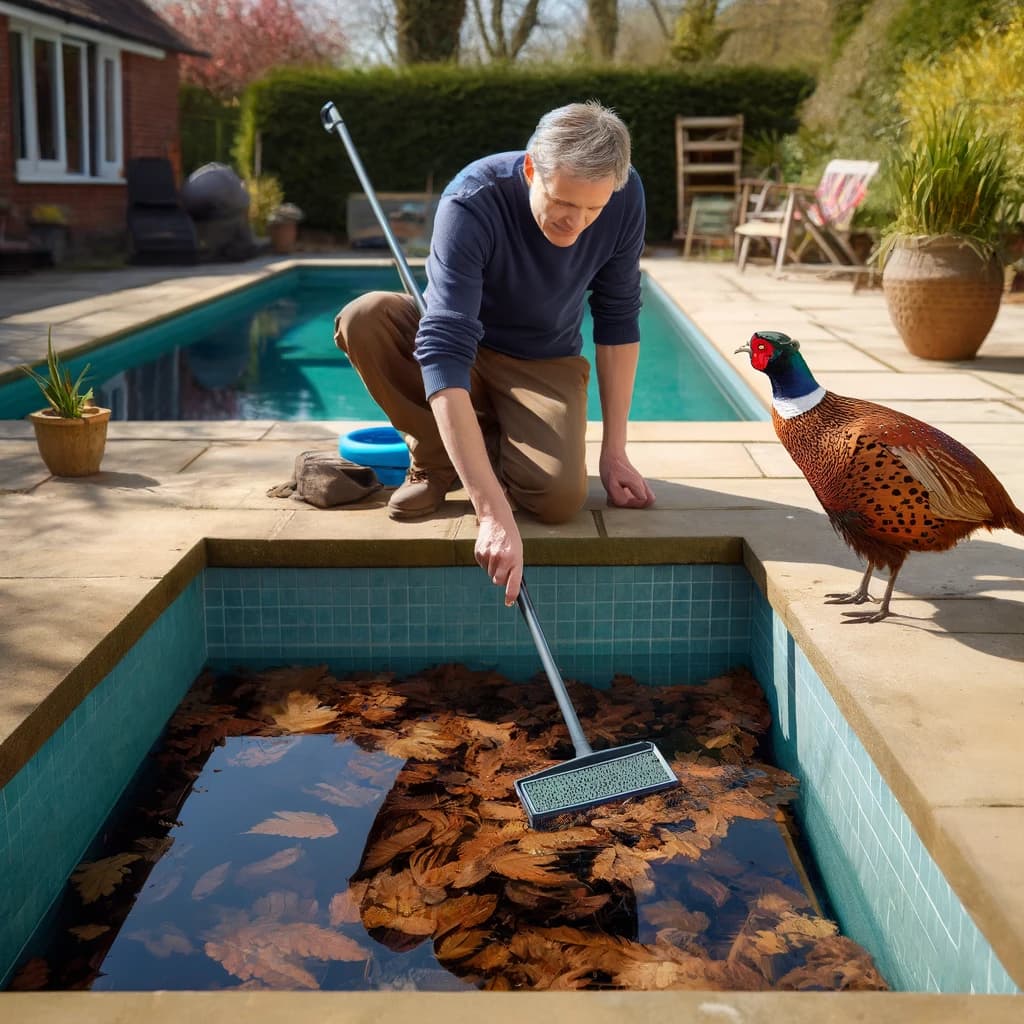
x=564 y=206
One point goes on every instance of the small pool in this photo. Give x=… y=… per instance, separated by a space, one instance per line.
x=657 y=622
x=267 y=353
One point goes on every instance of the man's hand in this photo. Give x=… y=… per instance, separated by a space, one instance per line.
x=625 y=487
x=499 y=552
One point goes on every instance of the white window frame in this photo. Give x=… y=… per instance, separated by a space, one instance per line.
x=109 y=168
x=102 y=47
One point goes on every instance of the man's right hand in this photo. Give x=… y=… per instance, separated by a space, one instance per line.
x=499 y=552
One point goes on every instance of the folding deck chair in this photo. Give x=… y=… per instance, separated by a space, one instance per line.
x=819 y=217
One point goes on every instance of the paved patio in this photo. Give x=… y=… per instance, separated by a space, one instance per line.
x=936 y=694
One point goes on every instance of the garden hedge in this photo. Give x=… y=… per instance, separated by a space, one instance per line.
x=415 y=128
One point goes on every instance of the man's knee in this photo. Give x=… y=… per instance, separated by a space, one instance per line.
x=552 y=500
x=365 y=321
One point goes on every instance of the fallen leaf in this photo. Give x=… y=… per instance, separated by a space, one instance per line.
x=88 y=932
x=348 y=794
x=300 y=712
x=97 y=878
x=164 y=943
x=211 y=881
x=297 y=825
x=384 y=850
x=275 y=862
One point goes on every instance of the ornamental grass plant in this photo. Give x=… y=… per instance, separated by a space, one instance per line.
x=66 y=398
x=953 y=179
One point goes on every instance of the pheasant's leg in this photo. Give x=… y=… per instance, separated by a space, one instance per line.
x=883 y=610
x=860 y=595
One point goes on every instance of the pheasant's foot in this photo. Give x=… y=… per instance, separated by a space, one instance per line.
x=856 y=618
x=857 y=597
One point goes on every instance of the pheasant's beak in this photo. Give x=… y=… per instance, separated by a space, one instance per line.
x=743 y=348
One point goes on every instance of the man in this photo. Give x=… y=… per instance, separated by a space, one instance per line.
x=489 y=387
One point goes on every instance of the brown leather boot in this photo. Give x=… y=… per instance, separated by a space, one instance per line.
x=422 y=493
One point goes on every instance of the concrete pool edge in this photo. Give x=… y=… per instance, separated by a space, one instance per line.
x=508 y=1007
x=961 y=870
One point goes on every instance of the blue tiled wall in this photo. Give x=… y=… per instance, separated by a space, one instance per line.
x=674 y=623
x=51 y=810
x=887 y=891
x=662 y=623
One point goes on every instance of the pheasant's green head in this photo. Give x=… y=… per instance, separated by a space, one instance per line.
x=766 y=347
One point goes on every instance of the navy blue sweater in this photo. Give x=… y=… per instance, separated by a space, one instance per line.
x=495 y=280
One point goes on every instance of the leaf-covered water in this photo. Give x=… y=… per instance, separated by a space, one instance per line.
x=296 y=830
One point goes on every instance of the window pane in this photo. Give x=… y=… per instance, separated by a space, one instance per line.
x=109 y=111
x=18 y=85
x=45 y=53
x=73 y=108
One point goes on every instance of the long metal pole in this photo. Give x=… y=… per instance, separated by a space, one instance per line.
x=332 y=122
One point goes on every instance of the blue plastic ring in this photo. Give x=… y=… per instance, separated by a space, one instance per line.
x=375 y=446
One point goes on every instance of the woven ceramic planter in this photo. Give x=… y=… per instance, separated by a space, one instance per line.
x=942 y=295
x=71 y=447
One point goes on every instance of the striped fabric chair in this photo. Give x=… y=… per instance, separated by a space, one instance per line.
x=819 y=218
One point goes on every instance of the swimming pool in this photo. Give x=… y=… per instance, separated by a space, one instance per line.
x=267 y=353
x=888 y=893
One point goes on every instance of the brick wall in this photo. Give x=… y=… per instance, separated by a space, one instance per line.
x=96 y=211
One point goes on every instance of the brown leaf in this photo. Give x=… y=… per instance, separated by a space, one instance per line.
x=272 y=952
x=97 y=878
x=348 y=794
x=300 y=712
x=619 y=864
x=672 y=914
x=565 y=839
x=344 y=906
x=297 y=825
x=275 y=862
x=424 y=741
x=386 y=849
x=211 y=881
x=527 y=867
x=464 y=912
x=33 y=975
x=257 y=752
x=461 y=944
x=162 y=944
x=88 y=932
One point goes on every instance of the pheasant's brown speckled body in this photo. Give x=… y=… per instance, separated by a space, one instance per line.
x=890 y=484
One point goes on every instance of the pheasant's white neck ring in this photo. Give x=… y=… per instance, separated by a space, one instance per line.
x=787 y=408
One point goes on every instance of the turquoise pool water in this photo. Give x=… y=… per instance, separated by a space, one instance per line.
x=268 y=353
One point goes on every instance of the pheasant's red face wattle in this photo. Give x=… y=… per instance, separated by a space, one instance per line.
x=760 y=352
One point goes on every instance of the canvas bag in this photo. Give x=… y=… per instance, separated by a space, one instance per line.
x=325 y=479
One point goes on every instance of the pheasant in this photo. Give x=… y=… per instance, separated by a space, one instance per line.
x=890 y=484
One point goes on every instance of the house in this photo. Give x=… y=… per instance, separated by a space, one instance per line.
x=85 y=85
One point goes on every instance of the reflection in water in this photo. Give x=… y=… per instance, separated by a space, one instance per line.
x=299 y=831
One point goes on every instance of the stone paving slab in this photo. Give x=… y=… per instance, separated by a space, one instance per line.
x=670 y=460
x=397 y=1007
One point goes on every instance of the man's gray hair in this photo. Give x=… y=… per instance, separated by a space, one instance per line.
x=585 y=140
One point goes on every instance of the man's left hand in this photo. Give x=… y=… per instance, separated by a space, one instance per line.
x=625 y=487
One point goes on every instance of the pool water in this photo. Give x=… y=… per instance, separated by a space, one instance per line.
x=268 y=353
x=298 y=830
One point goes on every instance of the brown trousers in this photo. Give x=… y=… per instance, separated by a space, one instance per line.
x=532 y=412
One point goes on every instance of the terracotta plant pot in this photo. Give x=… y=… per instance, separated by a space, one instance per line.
x=283 y=235
x=942 y=295
x=71 y=447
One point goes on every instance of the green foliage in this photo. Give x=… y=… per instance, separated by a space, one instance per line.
x=986 y=74
x=65 y=397
x=854 y=108
x=208 y=127
x=846 y=16
x=953 y=179
x=265 y=196
x=415 y=128
x=697 y=35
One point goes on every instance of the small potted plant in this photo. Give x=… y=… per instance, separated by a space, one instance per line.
x=283 y=225
x=942 y=275
x=71 y=432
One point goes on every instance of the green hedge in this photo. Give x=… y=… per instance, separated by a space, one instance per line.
x=423 y=124
x=209 y=127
